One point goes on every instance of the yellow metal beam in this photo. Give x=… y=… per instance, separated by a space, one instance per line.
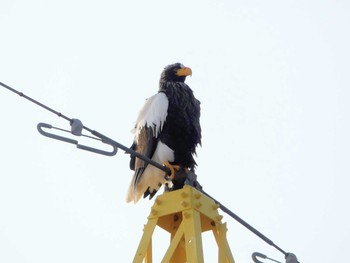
x=168 y=257
x=148 y=256
x=193 y=236
x=185 y=214
x=145 y=242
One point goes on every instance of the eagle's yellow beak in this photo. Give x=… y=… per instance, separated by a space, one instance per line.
x=184 y=72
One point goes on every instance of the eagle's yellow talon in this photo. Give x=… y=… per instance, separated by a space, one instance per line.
x=173 y=169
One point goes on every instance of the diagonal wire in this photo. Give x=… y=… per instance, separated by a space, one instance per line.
x=106 y=139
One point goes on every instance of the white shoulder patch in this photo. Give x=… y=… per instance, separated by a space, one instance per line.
x=153 y=114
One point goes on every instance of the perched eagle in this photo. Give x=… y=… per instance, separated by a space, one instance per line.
x=167 y=130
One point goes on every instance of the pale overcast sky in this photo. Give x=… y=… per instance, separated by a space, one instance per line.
x=273 y=80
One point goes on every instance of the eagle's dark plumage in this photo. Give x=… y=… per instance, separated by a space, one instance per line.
x=167 y=129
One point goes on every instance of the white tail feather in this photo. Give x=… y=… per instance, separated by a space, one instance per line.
x=152 y=177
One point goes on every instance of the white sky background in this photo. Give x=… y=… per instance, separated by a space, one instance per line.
x=273 y=79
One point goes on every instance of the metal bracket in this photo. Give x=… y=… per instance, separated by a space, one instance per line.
x=76 y=130
x=259 y=255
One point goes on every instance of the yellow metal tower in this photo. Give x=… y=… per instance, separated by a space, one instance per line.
x=185 y=214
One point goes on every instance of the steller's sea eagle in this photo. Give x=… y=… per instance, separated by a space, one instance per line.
x=167 y=130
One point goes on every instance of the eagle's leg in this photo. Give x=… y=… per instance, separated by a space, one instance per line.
x=178 y=176
x=173 y=170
